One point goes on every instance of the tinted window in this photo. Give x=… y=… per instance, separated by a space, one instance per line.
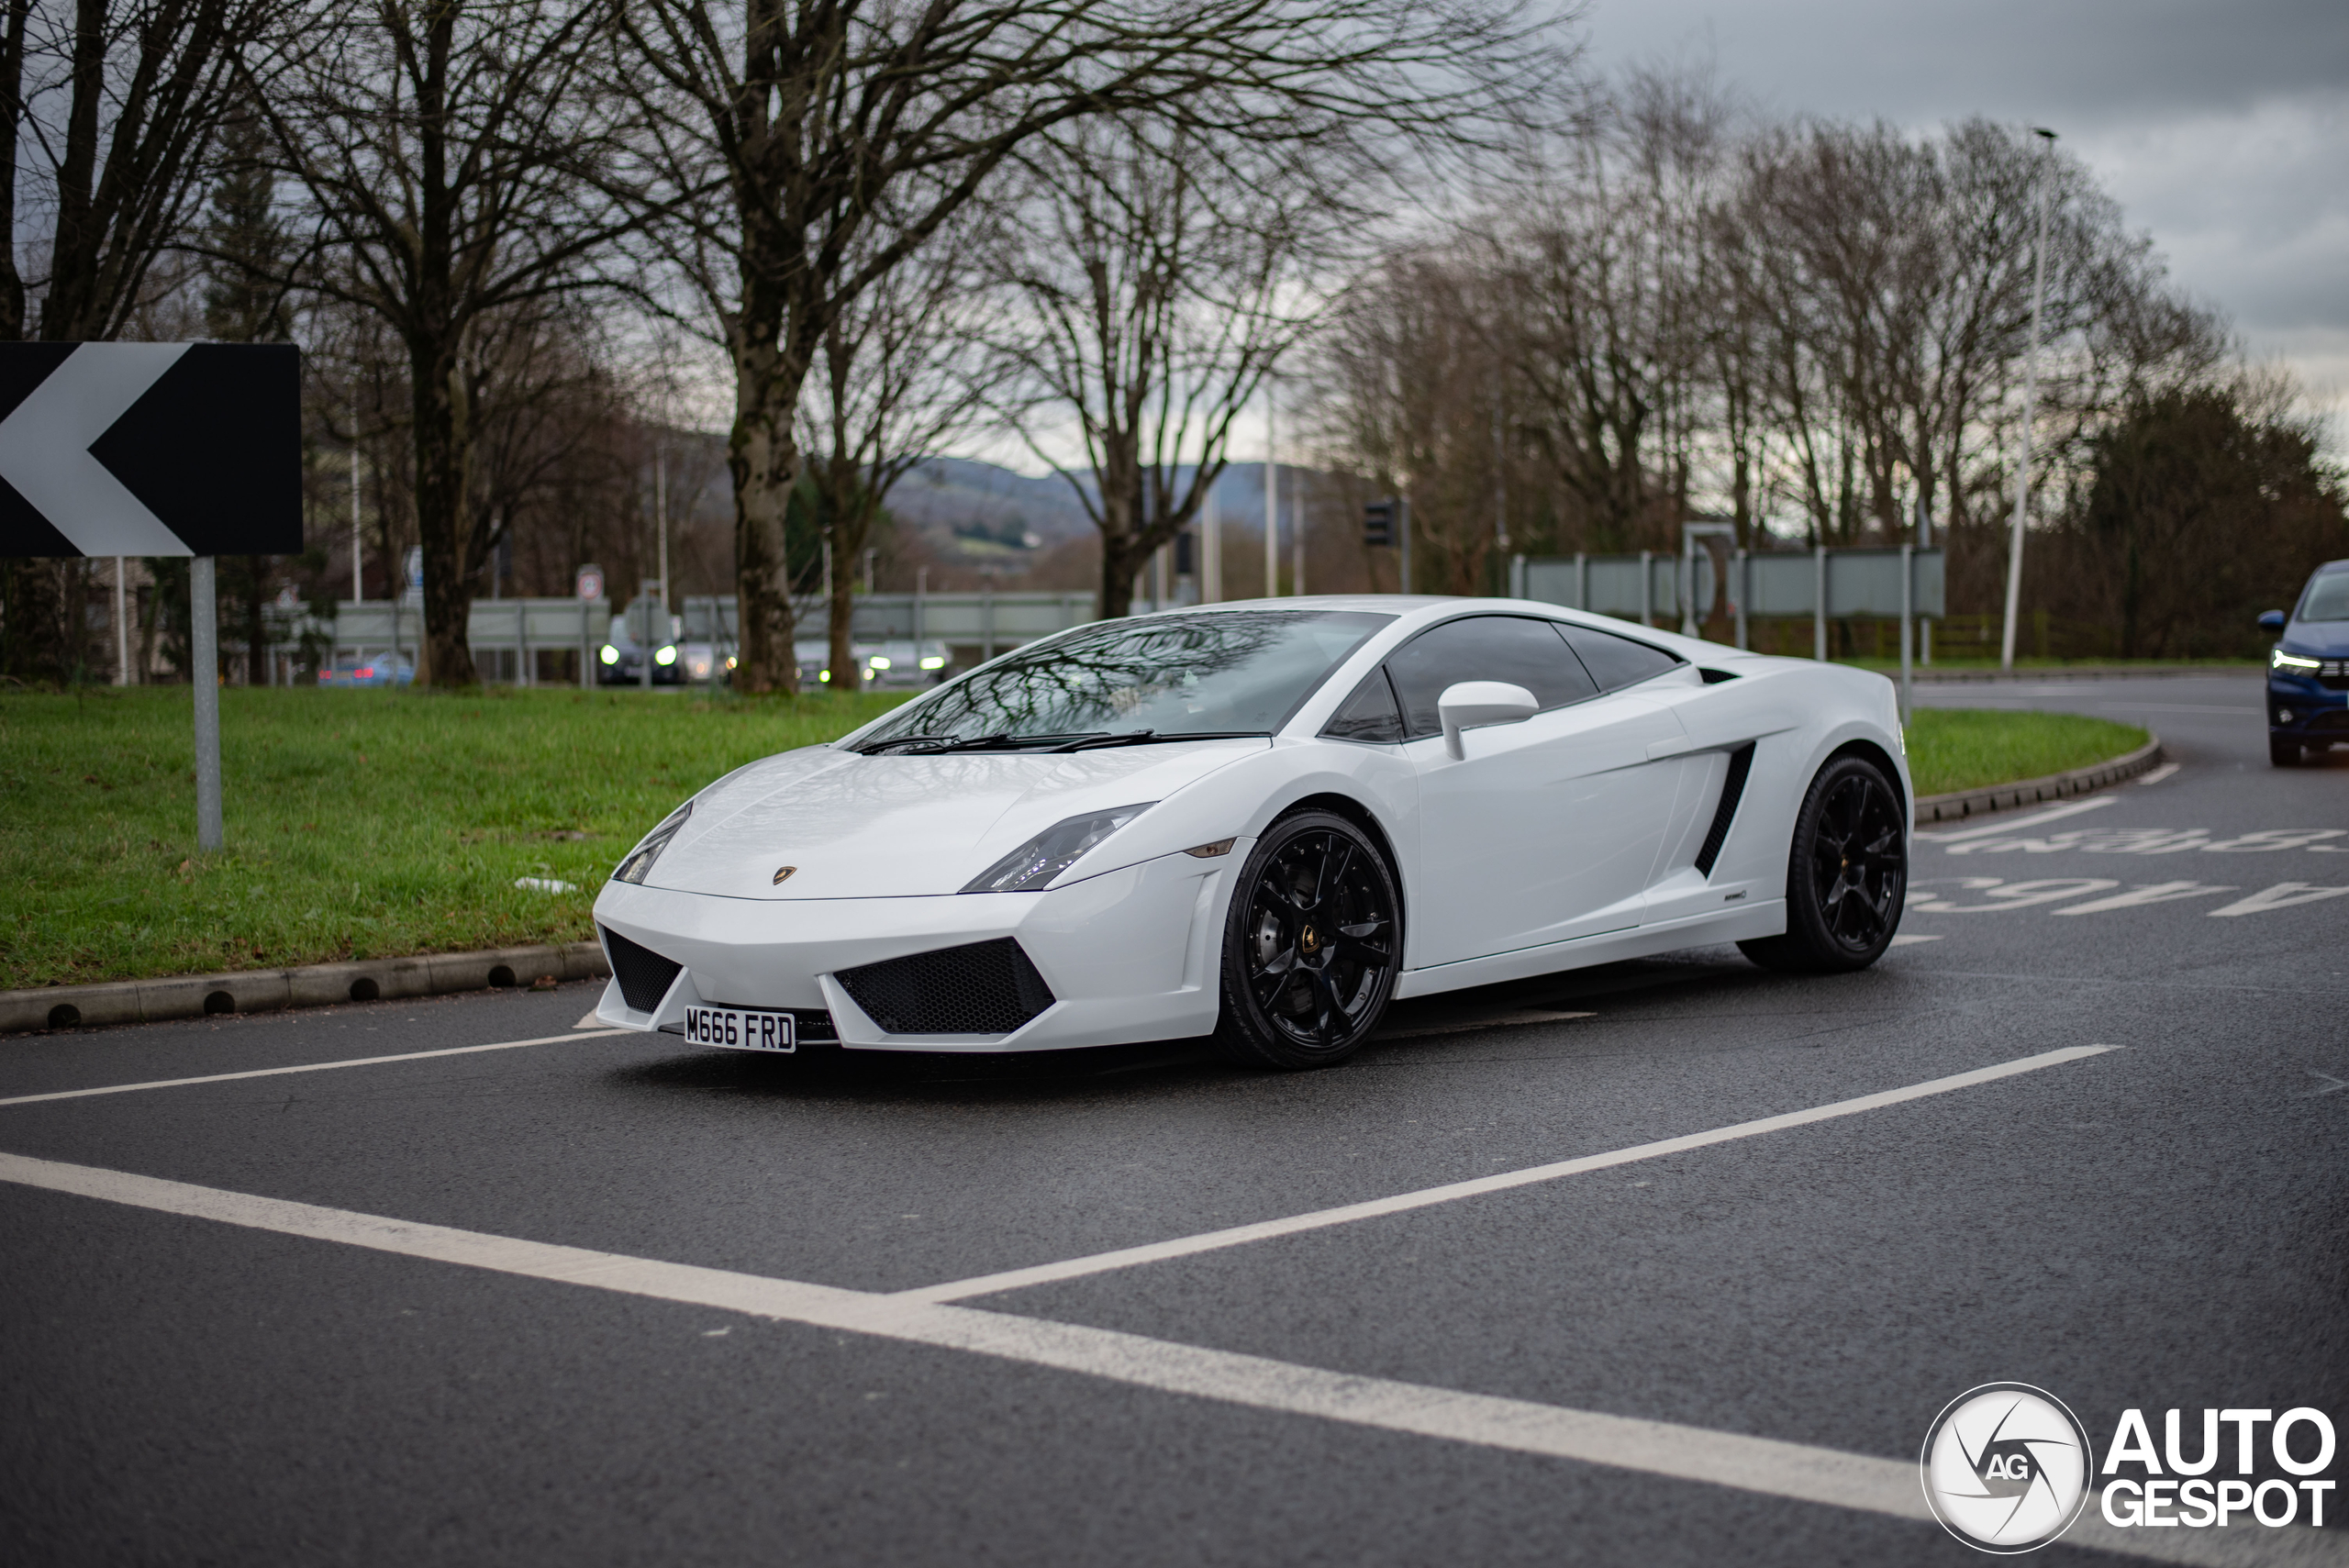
x=1514 y=649
x=1369 y=714
x=1615 y=661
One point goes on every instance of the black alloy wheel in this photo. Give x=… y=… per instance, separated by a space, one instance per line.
x=1847 y=873
x=1310 y=945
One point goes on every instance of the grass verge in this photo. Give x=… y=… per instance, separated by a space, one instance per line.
x=1955 y=747
x=359 y=824
x=368 y=824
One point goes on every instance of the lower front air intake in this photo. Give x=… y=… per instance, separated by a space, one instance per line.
x=644 y=975
x=983 y=988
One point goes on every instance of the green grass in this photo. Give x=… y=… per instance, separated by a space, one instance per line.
x=1954 y=748
x=368 y=824
x=359 y=824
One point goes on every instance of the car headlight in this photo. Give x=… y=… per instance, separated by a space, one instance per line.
x=2279 y=660
x=639 y=860
x=1031 y=866
x=666 y=656
x=933 y=663
x=878 y=662
x=610 y=654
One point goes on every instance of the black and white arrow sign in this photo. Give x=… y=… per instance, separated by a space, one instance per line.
x=151 y=449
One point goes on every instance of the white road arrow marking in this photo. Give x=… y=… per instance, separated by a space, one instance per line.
x=45 y=449
x=2053 y=813
x=2158 y=893
x=2283 y=895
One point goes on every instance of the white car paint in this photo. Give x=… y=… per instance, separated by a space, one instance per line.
x=1562 y=840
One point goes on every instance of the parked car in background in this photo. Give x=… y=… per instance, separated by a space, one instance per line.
x=370 y=669
x=2308 y=671
x=887 y=666
x=620 y=661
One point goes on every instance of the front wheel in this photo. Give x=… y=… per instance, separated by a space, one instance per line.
x=1310 y=945
x=2283 y=753
x=1847 y=873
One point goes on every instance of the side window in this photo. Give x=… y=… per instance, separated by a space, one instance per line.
x=1615 y=661
x=1517 y=648
x=1369 y=714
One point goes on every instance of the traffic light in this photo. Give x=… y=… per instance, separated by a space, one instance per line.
x=1379 y=523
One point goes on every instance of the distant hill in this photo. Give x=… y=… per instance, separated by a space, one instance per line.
x=951 y=498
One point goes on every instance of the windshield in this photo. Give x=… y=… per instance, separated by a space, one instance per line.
x=1157 y=677
x=2328 y=598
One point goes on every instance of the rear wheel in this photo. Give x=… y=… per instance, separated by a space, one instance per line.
x=2283 y=753
x=1310 y=945
x=1846 y=874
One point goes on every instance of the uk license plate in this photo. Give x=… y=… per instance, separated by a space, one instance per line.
x=738 y=1029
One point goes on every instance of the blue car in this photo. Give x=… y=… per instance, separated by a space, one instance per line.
x=2308 y=675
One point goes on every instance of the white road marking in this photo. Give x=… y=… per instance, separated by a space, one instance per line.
x=587 y=1022
x=2153 y=893
x=2283 y=895
x=2332 y=1083
x=1452 y=1192
x=1532 y=1016
x=1763 y=1465
x=2055 y=813
x=1904 y=939
x=305 y=1067
x=2008 y=895
x=2159 y=773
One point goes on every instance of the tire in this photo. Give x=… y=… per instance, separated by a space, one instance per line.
x=2283 y=753
x=1847 y=873
x=1310 y=945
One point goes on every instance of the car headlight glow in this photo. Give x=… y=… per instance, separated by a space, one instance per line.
x=878 y=662
x=666 y=656
x=639 y=860
x=1031 y=867
x=933 y=663
x=610 y=655
x=2279 y=660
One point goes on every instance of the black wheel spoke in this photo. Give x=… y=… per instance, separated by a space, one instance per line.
x=1318 y=940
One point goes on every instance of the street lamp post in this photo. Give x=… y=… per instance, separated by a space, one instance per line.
x=2029 y=406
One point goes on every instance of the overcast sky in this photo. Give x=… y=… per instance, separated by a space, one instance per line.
x=2223 y=130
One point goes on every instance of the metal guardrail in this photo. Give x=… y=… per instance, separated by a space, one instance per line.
x=1823 y=584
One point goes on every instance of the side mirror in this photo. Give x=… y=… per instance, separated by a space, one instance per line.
x=1475 y=703
x=2272 y=621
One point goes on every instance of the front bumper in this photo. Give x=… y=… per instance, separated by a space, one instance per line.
x=1131 y=955
x=2304 y=709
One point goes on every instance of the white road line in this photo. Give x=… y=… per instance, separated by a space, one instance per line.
x=1452 y=1192
x=2159 y=773
x=1908 y=939
x=305 y=1067
x=2016 y=825
x=1763 y=1465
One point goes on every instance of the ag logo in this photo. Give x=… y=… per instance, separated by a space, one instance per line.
x=2007 y=1467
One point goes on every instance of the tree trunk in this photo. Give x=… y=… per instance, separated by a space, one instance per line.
x=765 y=461
x=443 y=526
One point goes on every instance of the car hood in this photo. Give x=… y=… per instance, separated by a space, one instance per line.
x=857 y=827
x=2317 y=639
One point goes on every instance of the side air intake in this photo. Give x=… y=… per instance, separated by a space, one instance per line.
x=983 y=988
x=644 y=975
x=1740 y=762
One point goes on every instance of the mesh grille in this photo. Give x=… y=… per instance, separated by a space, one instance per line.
x=985 y=988
x=1740 y=762
x=644 y=975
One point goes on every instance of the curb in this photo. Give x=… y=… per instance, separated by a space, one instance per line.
x=1962 y=804
x=1929 y=677
x=315 y=985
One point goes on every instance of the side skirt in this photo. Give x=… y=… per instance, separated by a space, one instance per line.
x=1767 y=919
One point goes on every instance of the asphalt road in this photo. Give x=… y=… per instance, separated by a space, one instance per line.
x=241 y=1369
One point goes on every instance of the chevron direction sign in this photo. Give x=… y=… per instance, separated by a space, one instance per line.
x=151 y=449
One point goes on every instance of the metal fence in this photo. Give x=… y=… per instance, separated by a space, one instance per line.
x=1824 y=584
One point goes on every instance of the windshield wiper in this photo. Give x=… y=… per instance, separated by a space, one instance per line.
x=1153 y=737
x=1005 y=742
x=878 y=747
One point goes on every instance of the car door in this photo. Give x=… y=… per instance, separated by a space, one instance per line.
x=1547 y=829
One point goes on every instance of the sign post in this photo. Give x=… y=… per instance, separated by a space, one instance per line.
x=156 y=449
x=590 y=588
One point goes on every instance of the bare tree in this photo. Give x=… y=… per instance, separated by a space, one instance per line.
x=453 y=158
x=1158 y=286
x=805 y=127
